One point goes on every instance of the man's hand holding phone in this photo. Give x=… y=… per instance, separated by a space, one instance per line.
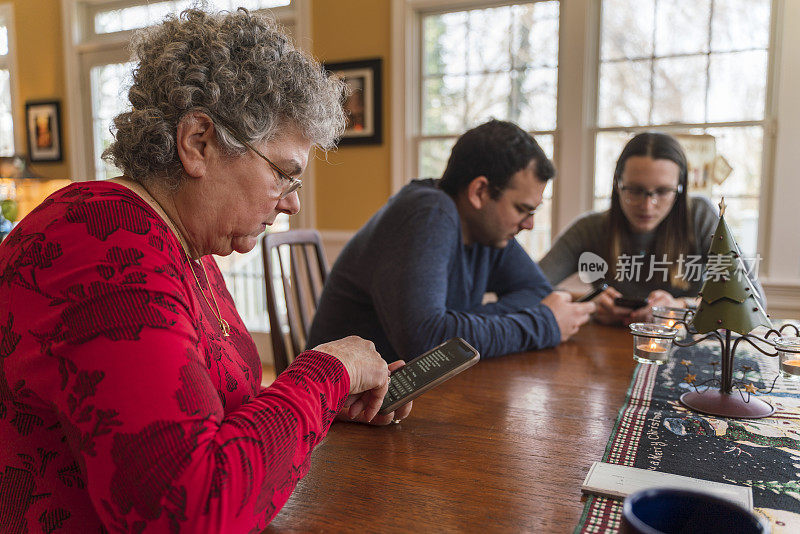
x=593 y=293
x=569 y=315
x=608 y=309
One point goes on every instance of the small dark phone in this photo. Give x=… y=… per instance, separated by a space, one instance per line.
x=633 y=304
x=593 y=293
x=428 y=371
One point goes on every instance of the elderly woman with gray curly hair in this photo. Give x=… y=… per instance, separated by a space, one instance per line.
x=130 y=394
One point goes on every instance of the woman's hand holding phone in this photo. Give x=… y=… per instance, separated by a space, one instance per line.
x=358 y=407
x=609 y=312
x=659 y=297
x=369 y=380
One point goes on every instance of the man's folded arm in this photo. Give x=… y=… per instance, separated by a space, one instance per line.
x=517 y=281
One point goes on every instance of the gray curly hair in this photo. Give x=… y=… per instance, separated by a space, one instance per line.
x=240 y=69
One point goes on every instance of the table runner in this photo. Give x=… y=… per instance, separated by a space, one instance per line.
x=654 y=431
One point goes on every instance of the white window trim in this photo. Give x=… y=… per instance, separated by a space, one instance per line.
x=576 y=121
x=10 y=62
x=76 y=12
x=577 y=103
x=779 y=208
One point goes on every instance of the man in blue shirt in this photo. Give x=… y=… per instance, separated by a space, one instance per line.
x=416 y=274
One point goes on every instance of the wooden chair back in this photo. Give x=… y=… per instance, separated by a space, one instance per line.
x=295 y=270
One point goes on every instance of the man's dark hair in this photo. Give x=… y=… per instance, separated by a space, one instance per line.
x=496 y=150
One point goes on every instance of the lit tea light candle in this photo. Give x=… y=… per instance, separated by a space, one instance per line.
x=651 y=351
x=789 y=357
x=791 y=366
x=652 y=342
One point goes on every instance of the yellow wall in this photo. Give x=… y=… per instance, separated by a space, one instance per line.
x=40 y=76
x=40 y=68
x=355 y=181
x=351 y=185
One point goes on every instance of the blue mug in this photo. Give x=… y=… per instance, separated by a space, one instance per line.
x=674 y=511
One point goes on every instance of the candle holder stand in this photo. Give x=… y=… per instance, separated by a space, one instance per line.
x=731 y=399
x=729 y=303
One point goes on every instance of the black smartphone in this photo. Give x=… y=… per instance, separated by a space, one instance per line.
x=593 y=293
x=632 y=303
x=427 y=371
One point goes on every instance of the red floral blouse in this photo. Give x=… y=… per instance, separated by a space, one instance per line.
x=121 y=403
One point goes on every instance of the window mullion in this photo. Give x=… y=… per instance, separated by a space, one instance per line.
x=680 y=126
x=708 y=61
x=467 y=79
x=653 y=64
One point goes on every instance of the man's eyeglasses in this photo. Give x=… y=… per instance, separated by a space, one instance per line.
x=525 y=212
x=290 y=183
x=635 y=194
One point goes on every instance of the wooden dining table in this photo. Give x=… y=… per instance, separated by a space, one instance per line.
x=502 y=447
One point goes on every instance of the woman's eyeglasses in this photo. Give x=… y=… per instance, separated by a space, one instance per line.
x=636 y=194
x=290 y=183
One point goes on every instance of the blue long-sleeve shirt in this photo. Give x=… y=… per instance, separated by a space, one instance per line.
x=407 y=282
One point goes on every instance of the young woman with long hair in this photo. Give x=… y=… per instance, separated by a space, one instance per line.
x=654 y=238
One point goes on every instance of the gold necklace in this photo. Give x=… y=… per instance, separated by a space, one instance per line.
x=223 y=324
x=147 y=197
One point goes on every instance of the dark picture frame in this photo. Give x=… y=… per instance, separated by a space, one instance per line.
x=43 y=127
x=363 y=106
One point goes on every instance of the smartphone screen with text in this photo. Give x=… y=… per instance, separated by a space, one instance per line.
x=427 y=371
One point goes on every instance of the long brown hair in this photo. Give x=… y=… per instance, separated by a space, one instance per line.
x=673 y=237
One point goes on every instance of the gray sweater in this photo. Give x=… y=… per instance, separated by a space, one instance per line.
x=589 y=233
x=407 y=282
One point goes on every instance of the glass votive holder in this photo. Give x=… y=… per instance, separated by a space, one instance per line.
x=789 y=356
x=652 y=342
x=669 y=316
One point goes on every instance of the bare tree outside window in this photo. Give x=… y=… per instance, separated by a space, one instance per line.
x=478 y=64
x=109 y=86
x=687 y=67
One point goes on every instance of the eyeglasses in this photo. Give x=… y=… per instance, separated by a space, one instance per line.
x=525 y=212
x=291 y=184
x=634 y=194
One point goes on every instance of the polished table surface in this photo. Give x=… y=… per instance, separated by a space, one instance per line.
x=503 y=446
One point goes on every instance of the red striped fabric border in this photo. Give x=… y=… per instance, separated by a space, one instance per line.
x=600 y=513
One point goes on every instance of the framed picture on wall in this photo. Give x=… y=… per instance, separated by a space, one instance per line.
x=363 y=105
x=43 y=122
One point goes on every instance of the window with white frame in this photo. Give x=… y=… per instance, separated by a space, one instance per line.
x=105 y=76
x=688 y=67
x=483 y=63
x=6 y=107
